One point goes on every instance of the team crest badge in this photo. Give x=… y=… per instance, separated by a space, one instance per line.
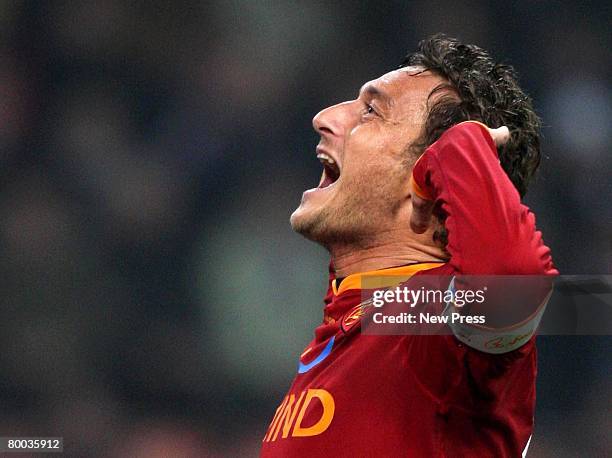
x=353 y=316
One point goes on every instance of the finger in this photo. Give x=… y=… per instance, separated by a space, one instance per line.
x=422 y=209
x=500 y=136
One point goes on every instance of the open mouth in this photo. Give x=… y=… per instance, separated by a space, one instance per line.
x=331 y=171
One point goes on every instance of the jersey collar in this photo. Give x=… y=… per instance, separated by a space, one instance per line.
x=402 y=273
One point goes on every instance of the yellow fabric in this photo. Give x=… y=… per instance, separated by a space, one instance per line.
x=401 y=274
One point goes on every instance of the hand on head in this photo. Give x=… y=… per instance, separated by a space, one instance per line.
x=422 y=209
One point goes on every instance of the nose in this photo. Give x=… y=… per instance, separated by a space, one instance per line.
x=329 y=120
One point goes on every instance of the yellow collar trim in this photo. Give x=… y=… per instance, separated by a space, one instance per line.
x=401 y=274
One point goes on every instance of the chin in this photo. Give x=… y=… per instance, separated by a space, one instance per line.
x=302 y=222
x=311 y=225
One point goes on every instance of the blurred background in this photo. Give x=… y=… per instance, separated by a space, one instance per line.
x=154 y=298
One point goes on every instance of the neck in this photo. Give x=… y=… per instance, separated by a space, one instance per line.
x=350 y=260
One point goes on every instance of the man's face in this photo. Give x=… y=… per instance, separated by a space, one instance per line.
x=364 y=150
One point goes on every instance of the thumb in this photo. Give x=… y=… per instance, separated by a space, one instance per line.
x=500 y=136
x=420 y=218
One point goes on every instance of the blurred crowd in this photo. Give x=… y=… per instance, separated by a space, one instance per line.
x=154 y=299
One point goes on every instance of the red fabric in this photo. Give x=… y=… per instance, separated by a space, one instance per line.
x=490 y=231
x=425 y=396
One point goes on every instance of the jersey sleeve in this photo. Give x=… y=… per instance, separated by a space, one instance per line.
x=489 y=231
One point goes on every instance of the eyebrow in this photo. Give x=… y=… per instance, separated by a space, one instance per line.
x=375 y=92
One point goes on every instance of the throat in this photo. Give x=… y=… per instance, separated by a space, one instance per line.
x=376 y=258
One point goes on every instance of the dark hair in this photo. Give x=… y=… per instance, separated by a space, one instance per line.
x=487 y=92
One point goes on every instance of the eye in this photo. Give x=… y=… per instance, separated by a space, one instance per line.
x=369 y=109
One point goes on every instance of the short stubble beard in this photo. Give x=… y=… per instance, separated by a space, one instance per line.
x=367 y=210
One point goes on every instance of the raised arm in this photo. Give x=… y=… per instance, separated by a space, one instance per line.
x=489 y=230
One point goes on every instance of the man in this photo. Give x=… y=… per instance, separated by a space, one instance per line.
x=410 y=188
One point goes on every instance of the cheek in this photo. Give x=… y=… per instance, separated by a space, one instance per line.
x=367 y=135
x=374 y=159
x=376 y=141
x=377 y=178
x=366 y=156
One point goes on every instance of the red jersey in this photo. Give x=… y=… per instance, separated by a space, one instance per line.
x=424 y=396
